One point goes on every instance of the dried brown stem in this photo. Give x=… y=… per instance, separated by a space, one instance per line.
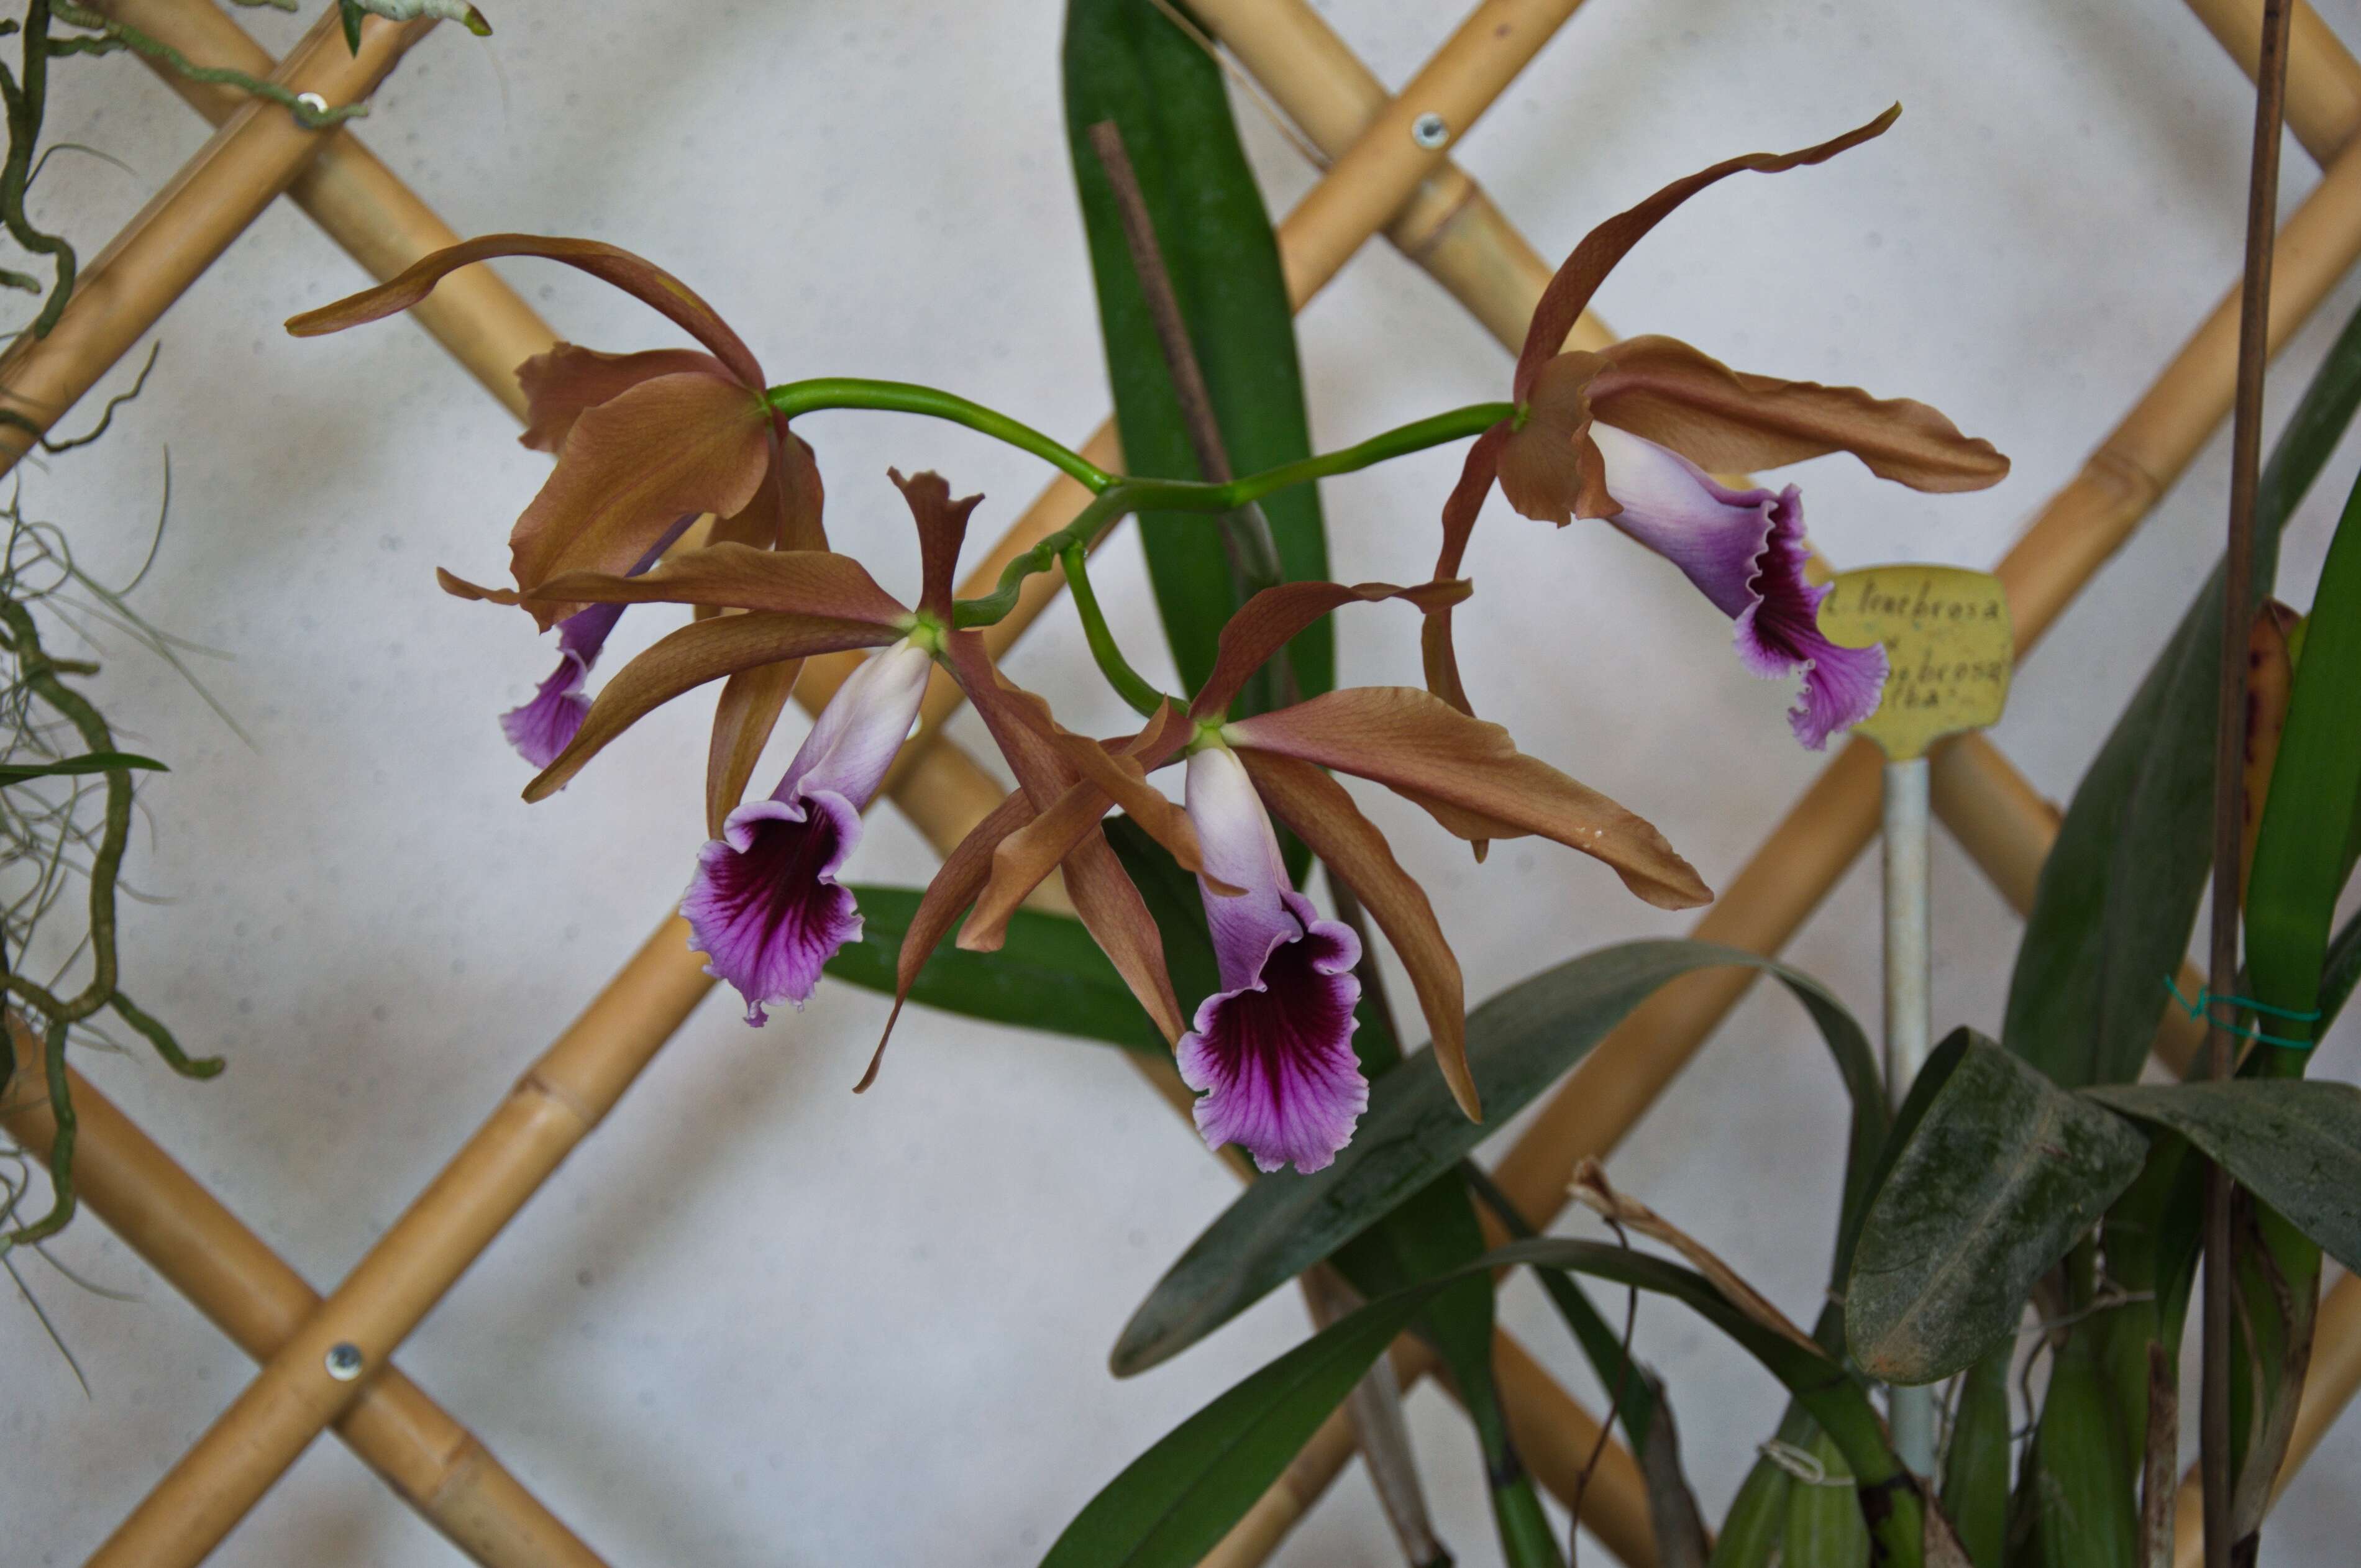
x=2229 y=748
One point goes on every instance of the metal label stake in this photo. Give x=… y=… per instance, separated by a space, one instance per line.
x=1949 y=649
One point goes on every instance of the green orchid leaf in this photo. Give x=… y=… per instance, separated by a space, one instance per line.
x=2086 y=1512
x=1517 y=1044
x=1975 y=1461
x=1125 y=61
x=2291 y=889
x=1174 y=1502
x=2293 y=1143
x=1995 y=1173
x=1049 y=974
x=66 y=767
x=2120 y=890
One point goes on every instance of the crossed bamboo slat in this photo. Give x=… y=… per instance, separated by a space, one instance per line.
x=164 y=1214
x=1999 y=819
x=1970 y=795
x=188 y=1507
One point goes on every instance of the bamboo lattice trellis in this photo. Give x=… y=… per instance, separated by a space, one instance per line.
x=1380 y=179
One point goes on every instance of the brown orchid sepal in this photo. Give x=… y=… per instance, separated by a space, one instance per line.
x=1630 y=432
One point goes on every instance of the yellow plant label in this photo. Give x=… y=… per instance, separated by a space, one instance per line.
x=1949 y=649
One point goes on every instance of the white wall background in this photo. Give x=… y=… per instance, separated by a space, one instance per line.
x=756 y=1320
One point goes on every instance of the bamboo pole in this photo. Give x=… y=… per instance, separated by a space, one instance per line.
x=410 y=1266
x=263 y=1432
x=486 y=325
x=1450 y=227
x=254 y=156
x=361 y=204
x=162 y=1213
x=1380 y=174
x=1982 y=800
x=2073 y=537
x=2323 y=96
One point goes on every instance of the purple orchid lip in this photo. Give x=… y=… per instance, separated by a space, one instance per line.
x=765 y=906
x=1271 y=1053
x=541 y=729
x=1744 y=549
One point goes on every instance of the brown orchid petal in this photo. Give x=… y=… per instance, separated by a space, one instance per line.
x=1437 y=651
x=632 y=466
x=640 y=278
x=1562 y=303
x=1470 y=776
x=1110 y=906
x=559 y=385
x=729 y=576
x=1729 y=422
x=743 y=717
x=953 y=889
x=785 y=515
x=942 y=527
x=1108 y=775
x=1025 y=859
x=1266 y=622
x=1549 y=469
x=1118 y=921
x=704 y=651
x=1324 y=816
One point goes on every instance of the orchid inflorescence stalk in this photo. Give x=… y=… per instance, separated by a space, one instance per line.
x=646 y=442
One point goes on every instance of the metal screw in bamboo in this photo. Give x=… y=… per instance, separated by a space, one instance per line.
x=436 y=1465
x=254 y=156
x=349 y=193
x=214 y=1485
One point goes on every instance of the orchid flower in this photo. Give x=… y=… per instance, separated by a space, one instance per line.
x=1627 y=434
x=1272 y=1048
x=764 y=905
x=646 y=442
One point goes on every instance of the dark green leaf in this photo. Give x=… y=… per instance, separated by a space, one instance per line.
x=2120 y=889
x=88 y=762
x=2294 y=1144
x=1124 y=60
x=1996 y=1172
x=352 y=15
x=1517 y=1044
x=2085 y=1509
x=1601 y=1342
x=1049 y=975
x=2292 y=891
x=1179 y=1497
x=1975 y=1462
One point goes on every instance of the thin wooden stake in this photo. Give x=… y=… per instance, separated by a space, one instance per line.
x=2229 y=751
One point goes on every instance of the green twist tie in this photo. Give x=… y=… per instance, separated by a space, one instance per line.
x=2207 y=996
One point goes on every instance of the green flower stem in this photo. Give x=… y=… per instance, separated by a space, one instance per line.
x=798 y=397
x=1128 y=683
x=1113 y=496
